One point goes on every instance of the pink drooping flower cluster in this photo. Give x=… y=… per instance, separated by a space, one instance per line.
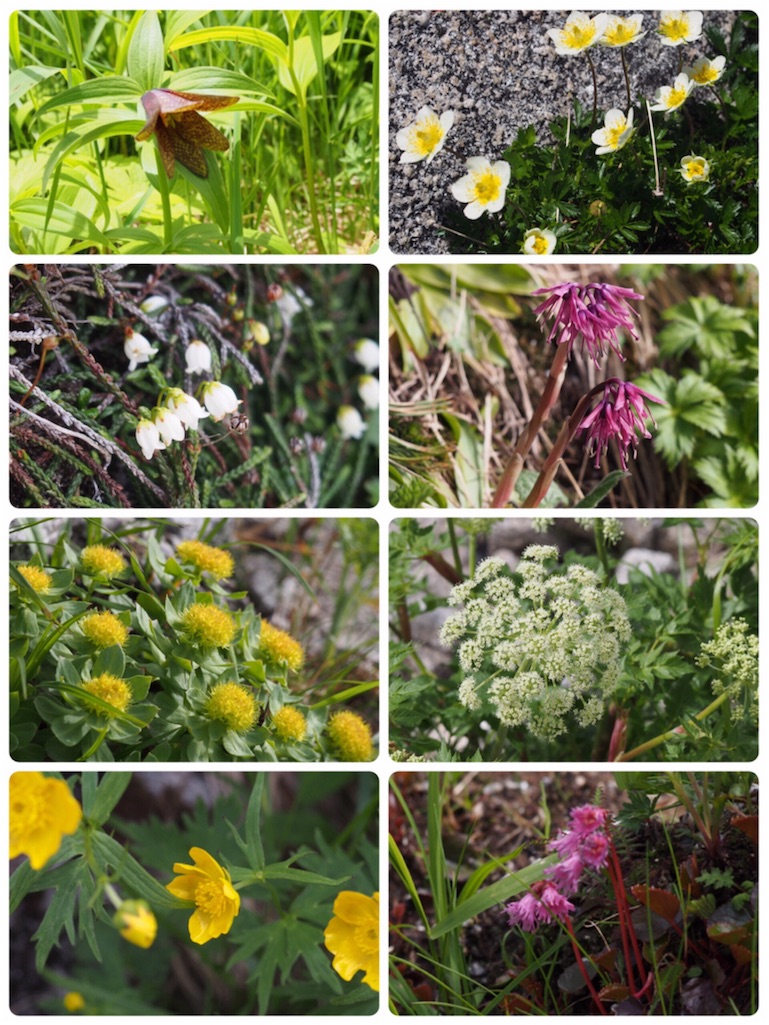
x=593 y=313
x=586 y=844
x=620 y=414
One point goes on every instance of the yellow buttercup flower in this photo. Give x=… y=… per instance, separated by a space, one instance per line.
x=232 y=704
x=137 y=923
x=206 y=558
x=350 y=736
x=104 y=629
x=209 y=887
x=73 y=1002
x=352 y=936
x=208 y=626
x=41 y=812
x=289 y=723
x=109 y=688
x=40 y=581
x=280 y=646
x=100 y=561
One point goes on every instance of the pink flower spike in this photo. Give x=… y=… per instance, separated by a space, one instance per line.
x=566 y=843
x=620 y=414
x=595 y=850
x=554 y=902
x=593 y=312
x=566 y=874
x=524 y=912
x=588 y=817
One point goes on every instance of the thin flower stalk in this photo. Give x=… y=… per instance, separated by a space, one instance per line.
x=581 y=964
x=549 y=397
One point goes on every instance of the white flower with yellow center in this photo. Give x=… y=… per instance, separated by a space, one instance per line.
x=706 y=72
x=616 y=131
x=670 y=98
x=694 y=168
x=538 y=242
x=622 y=31
x=483 y=187
x=424 y=137
x=579 y=33
x=678 y=27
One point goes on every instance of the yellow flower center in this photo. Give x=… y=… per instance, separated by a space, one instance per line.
x=705 y=75
x=206 y=558
x=208 y=626
x=98 y=560
x=233 y=705
x=614 y=134
x=111 y=689
x=427 y=136
x=210 y=898
x=578 y=36
x=675 y=28
x=38 y=579
x=289 y=723
x=104 y=629
x=620 y=34
x=695 y=168
x=540 y=245
x=486 y=187
x=676 y=97
x=280 y=646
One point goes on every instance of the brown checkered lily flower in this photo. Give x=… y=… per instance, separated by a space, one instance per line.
x=182 y=134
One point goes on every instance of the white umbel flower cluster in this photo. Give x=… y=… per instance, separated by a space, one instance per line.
x=539 y=647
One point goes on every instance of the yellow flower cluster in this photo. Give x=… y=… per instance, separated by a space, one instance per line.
x=208 y=626
x=206 y=558
x=41 y=812
x=111 y=689
x=232 y=704
x=350 y=736
x=280 y=646
x=289 y=723
x=104 y=629
x=37 y=578
x=100 y=561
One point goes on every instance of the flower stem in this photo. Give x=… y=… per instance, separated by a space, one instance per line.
x=595 y=88
x=627 y=77
x=649 y=745
x=165 y=199
x=550 y=394
x=581 y=964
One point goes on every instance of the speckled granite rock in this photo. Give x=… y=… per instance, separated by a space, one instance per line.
x=498 y=70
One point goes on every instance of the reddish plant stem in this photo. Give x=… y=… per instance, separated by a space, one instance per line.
x=619 y=890
x=583 y=970
x=550 y=394
x=617 y=886
x=564 y=439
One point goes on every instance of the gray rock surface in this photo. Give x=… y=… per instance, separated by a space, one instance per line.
x=498 y=70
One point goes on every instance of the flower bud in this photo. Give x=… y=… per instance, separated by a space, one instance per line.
x=148 y=438
x=366 y=352
x=350 y=423
x=220 y=399
x=136 y=922
x=368 y=389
